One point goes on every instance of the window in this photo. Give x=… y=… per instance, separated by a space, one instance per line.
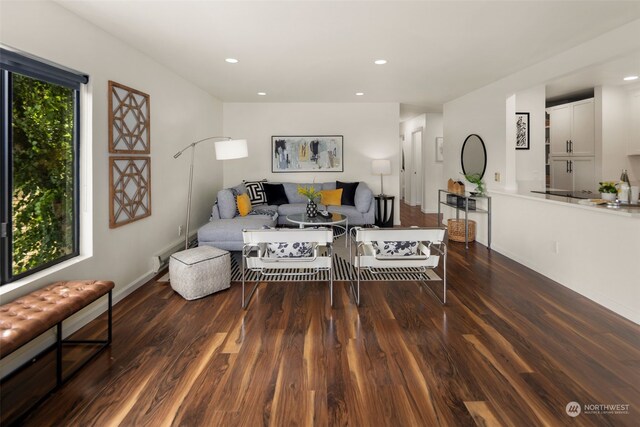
x=39 y=168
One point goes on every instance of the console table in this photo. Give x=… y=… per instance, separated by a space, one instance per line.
x=465 y=208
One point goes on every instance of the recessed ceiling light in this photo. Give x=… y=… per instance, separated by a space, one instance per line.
x=232 y=60
x=262 y=93
x=380 y=61
x=629 y=78
x=359 y=93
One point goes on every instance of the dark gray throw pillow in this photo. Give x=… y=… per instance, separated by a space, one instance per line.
x=275 y=194
x=348 y=192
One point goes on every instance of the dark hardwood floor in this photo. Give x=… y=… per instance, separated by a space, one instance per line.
x=511 y=347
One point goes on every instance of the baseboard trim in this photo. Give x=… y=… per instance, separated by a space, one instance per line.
x=30 y=350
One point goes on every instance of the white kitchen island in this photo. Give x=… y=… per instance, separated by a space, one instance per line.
x=592 y=250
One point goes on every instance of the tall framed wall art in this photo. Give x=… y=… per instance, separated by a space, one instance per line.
x=130 y=169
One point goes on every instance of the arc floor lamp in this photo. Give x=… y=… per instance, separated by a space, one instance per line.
x=226 y=149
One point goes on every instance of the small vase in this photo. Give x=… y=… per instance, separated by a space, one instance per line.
x=608 y=196
x=312 y=209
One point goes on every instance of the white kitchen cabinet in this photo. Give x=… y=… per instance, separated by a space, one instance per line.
x=573 y=173
x=633 y=148
x=572 y=129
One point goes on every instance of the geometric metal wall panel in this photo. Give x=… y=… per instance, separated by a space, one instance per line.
x=129 y=120
x=130 y=189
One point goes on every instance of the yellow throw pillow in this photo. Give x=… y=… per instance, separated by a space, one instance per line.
x=331 y=197
x=244 y=204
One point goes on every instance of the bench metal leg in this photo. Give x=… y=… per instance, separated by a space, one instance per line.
x=59 y=354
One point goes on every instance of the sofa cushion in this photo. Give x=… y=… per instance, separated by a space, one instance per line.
x=227 y=205
x=363 y=198
x=275 y=194
x=291 y=189
x=331 y=197
x=295 y=208
x=255 y=190
x=230 y=230
x=345 y=210
x=244 y=204
x=331 y=185
x=348 y=192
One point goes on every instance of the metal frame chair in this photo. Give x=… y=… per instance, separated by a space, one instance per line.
x=255 y=256
x=431 y=247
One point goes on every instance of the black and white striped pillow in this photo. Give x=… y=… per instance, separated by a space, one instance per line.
x=256 y=193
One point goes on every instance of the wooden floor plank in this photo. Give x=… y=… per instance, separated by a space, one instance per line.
x=511 y=347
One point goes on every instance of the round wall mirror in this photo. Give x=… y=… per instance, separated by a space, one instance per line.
x=474 y=156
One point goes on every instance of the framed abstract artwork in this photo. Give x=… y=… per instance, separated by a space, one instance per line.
x=129 y=189
x=522 y=131
x=321 y=153
x=129 y=120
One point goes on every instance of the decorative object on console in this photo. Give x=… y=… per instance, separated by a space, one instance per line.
x=381 y=167
x=129 y=189
x=348 y=192
x=129 y=124
x=439 y=149
x=455 y=186
x=307 y=153
x=226 y=149
x=522 y=131
x=476 y=179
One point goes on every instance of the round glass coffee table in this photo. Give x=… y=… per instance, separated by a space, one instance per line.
x=338 y=222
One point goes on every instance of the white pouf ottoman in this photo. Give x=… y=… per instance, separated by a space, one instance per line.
x=198 y=272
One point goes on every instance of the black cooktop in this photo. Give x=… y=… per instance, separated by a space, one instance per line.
x=583 y=194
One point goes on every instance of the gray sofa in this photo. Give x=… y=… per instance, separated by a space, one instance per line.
x=224 y=230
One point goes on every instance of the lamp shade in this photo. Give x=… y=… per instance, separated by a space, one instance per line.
x=381 y=167
x=231 y=149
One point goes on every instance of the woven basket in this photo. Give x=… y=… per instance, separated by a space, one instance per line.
x=456 y=230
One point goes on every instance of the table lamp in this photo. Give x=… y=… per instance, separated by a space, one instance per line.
x=381 y=167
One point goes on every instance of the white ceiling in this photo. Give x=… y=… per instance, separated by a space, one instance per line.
x=323 y=51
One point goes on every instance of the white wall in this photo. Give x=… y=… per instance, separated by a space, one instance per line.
x=180 y=113
x=530 y=169
x=614 y=111
x=408 y=127
x=431 y=125
x=370 y=132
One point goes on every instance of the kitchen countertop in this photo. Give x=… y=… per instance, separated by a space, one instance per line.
x=628 y=210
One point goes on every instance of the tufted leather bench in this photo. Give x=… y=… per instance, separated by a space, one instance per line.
x=30 y=316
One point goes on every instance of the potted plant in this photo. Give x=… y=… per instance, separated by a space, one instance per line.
x=475 y=178
x=312 y=195
x=608 y=190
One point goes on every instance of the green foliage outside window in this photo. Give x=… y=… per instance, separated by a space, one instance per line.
x=43 y=172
